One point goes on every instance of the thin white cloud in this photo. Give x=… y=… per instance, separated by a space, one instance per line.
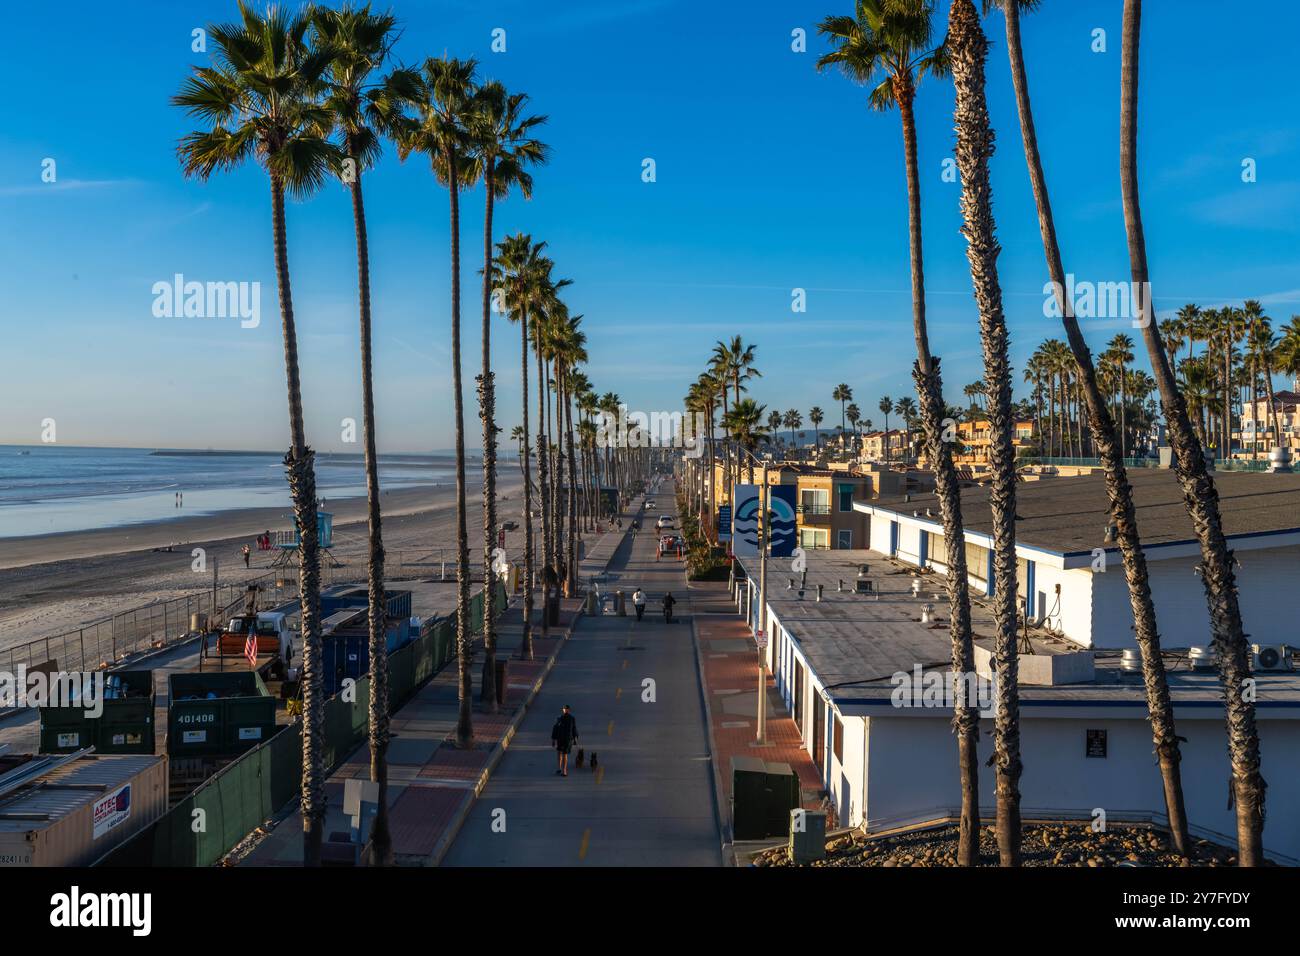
x=64 y=185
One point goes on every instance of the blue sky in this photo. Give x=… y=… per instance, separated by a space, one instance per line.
x=769 y=177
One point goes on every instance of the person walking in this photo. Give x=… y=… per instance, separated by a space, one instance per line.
x=638 y=602
x=247 y=555
x=669 y=601
x=563 y=736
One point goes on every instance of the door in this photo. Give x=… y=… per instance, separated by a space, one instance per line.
x=819 y=733
x=844 y=539
x=798 y=695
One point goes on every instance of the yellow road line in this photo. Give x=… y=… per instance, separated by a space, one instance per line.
x=610 y=731
x=586 y=841
x=618 y=693
x=625 y=664
x=600 y=773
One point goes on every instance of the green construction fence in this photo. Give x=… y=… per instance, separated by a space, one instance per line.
x=206 y=825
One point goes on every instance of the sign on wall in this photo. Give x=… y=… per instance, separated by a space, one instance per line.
x=724 y=523
x=1096 y=745
x=744 y=543
x=780 y=504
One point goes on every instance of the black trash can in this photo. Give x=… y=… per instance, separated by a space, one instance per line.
x=502 y=671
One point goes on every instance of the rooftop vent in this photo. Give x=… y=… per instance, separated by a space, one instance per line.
x=1201 y=658
x=1130 y=661
x=1111 y=531
x=916 y=587
x=927 y=613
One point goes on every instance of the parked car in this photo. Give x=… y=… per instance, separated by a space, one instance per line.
x=650 y=504
x=671 y=543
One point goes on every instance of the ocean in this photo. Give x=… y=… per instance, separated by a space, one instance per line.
x=46 y=489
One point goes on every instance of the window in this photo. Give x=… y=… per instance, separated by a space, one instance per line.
x=846 y=497
x=837 y=739
x=814 y=538
x=815 y=501
x=844 y=539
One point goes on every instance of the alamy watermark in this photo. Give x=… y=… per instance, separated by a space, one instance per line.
x=208 y=300
x=934 y=688
x=83 y=690
x=653 y=430
x=1100 y=300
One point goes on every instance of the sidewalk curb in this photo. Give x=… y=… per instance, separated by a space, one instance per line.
x=498 y=752
x=720 y=820
x=499 y=749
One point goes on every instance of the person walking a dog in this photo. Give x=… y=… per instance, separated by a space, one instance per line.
x=563 y=736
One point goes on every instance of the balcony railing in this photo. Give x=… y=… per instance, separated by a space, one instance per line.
x=814 y=509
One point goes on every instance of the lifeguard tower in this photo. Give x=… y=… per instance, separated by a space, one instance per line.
x=289 y=543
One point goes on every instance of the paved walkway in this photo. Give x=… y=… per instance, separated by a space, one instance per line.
x=432 y=783
x=728 y=660
x=650 y=801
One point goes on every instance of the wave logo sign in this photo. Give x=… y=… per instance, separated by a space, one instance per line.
x=745 y=525
x=780 y=509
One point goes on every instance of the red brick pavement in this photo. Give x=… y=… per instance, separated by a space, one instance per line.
x=420 y=815
x=737 y=670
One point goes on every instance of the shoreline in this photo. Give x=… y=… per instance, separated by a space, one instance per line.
x=56 y=583
x=35 y=550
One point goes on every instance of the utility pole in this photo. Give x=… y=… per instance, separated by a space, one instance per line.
x=764 y=538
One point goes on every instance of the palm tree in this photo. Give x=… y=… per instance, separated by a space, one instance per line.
x=502 y=149
x=905 y=408
x=892 y=40
x=817 y=416
x=886 y=405
x=444 y=107
x=1199 y=491
x=363 y=108
x=854 y=415
x=968 y=48
x=1119 y=491
x=745 y=424
x=523 y=272
x=1121 y=351
x=1260 y=344
x=842 y=393
x=793 y=419
x=258 y=101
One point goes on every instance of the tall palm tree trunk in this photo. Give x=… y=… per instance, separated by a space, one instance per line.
x=543 y=473
x=969 y=50
x=572 y=563
x=487 y=413
x=1199 y=492
x=1118 y=489
x=929 y=390
x=300 y=468
x=381 y=843
x=464 y=639
x=526 y=647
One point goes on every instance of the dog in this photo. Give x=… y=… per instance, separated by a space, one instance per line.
x=593 y=760
x=581 y=757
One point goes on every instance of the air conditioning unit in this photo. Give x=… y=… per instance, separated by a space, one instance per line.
x=1201 y=658
x=1271 y=657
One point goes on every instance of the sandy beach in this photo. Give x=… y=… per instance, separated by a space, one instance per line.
x=50 y=584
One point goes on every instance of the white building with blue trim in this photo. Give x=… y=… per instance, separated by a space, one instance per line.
x=888 y=760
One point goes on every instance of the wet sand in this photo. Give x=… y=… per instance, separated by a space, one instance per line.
x=53 y=583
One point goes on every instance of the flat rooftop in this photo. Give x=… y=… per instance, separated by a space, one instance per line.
x=1069 y=515
x=855 y=643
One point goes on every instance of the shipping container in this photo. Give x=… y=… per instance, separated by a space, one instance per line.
x=126 y=725
x=345 y=648
x=341 y=597
x=78 y=808
x=218 y=713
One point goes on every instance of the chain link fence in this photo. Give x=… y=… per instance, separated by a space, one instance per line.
x=152 y=626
